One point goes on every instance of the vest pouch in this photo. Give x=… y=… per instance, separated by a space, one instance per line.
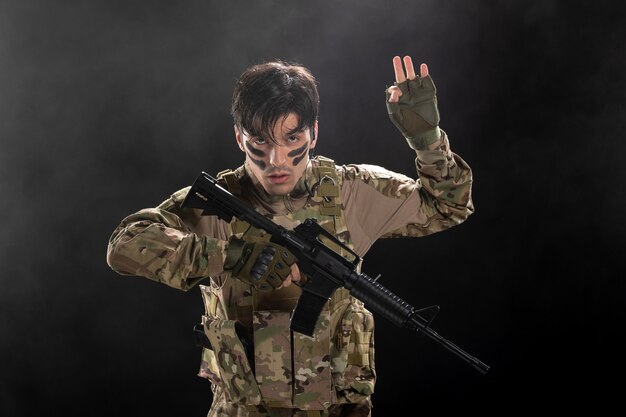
x=236 y=377
x=208 y=365
x=298 y=378
x=353 y=367
x=312 y=377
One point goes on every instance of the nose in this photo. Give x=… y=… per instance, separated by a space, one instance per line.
x=278 y=155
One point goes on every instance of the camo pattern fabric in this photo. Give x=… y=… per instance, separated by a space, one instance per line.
x=232 y=361
x=306 y=379
x=442 y=192
x=155 y=243
x=310 y=391
x=179 y=247
x=298 y=378
x=222 y=408
x=272 y=349
x=353 y=353
x=311 y=367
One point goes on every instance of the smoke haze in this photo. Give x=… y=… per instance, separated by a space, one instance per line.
x=107 y=107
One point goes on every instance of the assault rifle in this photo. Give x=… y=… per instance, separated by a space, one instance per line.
x=326 y=267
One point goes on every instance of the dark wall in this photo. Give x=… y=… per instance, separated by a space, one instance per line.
x=107 y=107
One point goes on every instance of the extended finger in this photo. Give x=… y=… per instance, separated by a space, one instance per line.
x=397 y=68
x=410 y=71
x=423 y=70
x=427 y=81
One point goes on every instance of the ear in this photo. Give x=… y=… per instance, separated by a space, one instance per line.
x=314 y=139
x=239 y=138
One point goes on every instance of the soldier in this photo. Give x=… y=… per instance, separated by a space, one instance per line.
x=256 y=366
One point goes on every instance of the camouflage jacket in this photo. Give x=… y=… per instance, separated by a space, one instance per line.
x=359 y=204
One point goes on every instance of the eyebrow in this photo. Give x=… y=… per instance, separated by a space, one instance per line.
x=293 y=131
x=296 y=130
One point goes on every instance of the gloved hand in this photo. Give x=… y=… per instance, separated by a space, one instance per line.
x=412 y=105
x=259 y=262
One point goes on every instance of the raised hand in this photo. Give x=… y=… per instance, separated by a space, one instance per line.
x=412 y=104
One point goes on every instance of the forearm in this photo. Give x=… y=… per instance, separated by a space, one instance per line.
x=156 y=244
x=446 y=181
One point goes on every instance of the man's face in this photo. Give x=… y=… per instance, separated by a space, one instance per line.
x=278 y=165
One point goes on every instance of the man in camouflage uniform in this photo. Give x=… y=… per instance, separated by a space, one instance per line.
x=256 y=365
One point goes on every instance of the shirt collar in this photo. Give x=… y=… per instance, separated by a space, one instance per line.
x=279 y=204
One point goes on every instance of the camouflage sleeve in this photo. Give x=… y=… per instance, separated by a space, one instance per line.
x=157 y=244
x=380 y=203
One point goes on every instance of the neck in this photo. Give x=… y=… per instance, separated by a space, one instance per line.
x=283 y=203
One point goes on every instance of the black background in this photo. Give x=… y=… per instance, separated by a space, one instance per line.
x=106 y=107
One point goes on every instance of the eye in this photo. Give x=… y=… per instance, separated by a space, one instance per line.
x=259 y=141
x=293 y=138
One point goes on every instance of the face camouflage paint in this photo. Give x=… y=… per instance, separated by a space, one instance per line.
x=278 y=163
x=255 y=151
x=257 y=162
x=299 y=154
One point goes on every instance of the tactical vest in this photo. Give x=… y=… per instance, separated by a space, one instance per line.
x=289 y=370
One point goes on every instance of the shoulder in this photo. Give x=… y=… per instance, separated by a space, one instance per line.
x=378 y=179
x=367 y=172
x=362 y=172
x=175 y=199
x=227 y=178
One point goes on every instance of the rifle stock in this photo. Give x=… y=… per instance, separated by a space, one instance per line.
x=326 y=269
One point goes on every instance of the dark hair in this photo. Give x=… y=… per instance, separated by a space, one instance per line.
x=266 y=92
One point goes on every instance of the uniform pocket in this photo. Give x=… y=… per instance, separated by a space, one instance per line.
x=208 y=367
x=353 y=365
x=311 y=361
x=273 y=357
x=292 y=370
x=231 y=359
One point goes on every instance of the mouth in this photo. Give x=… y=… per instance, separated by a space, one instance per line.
x=278 y=178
